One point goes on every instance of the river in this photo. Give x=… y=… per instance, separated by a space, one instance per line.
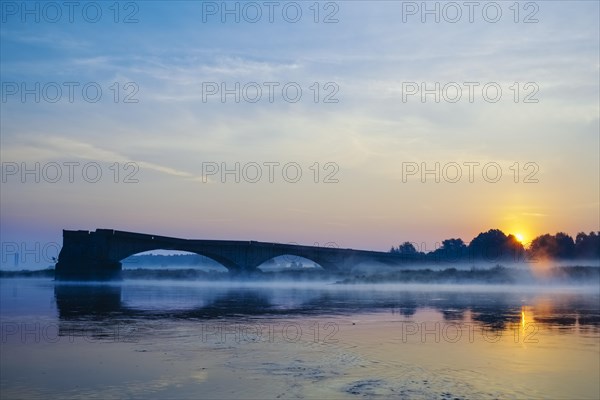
x=286 y=340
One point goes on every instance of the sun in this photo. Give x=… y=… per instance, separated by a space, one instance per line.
x=519 y=237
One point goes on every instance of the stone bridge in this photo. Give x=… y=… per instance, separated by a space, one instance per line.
x=97 y=255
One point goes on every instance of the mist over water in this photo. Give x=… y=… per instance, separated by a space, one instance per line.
x=579 y=273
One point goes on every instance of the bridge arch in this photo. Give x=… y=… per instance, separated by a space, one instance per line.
x=124 y=249
x=165 y=258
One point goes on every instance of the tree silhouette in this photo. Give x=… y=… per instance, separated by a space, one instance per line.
x=495 y=245
x=451 y=250
x=587 y=246
x=407 y=248
x=559 y=246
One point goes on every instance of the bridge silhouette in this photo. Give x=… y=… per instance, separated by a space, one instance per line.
x=97 y=255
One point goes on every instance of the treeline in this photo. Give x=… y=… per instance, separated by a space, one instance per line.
x=495 y=245
x=495 y=275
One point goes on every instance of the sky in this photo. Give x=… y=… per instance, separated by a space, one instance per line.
x=134 y=115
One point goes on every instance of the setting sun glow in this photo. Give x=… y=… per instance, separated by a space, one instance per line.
x=519 y=237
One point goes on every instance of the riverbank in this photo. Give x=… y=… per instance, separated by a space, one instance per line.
x=495 y=275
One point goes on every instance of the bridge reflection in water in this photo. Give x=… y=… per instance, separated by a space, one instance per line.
x=81 y=306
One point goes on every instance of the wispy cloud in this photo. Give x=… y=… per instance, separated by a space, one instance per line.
x=531 y=214
x=60 y=148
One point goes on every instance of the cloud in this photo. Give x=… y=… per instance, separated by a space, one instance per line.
x=529 y=214
x=53 y=148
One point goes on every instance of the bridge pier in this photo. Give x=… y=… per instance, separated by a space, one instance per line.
x=84 y=256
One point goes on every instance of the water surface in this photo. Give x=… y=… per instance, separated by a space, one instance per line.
x=151 y=339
